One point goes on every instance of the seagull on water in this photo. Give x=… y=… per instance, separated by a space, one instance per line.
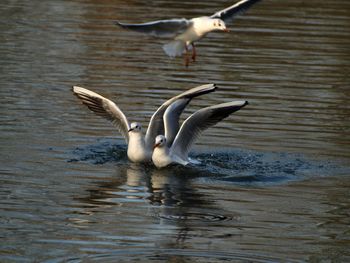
x=187 y=31
x=192 y=127
x=140 y=147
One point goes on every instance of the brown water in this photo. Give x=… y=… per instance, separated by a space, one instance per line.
x=273 y=183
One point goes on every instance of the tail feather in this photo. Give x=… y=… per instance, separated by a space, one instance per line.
x=174 y=48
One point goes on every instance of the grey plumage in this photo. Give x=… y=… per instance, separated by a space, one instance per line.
x=105 y=108
x=161 y=28
x=199 y=121
x=109 y=110
x=157 y=124
x=230 y=12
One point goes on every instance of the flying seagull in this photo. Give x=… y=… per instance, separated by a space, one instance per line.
x=190 y=130
x=140 y=147
x=187 y=31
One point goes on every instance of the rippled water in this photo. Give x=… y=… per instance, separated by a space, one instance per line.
x=273 y=179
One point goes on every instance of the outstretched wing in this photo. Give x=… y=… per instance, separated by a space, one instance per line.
x=163 y=28
x=171 y=118
x=199 y=121
x=105 y=108
x=229 y=13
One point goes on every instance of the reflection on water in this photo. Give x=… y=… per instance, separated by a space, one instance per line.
x=181 y=214
x=272 y=184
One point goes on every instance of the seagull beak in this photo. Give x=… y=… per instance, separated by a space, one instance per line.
x=131 y=129
x=227 y=30
x=156 y=145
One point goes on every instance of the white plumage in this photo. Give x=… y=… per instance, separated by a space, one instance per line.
x=140 y=147
x=190 y=130
x=187 y=31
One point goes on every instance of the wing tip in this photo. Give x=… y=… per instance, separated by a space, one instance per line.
x=120 y=24
x=208 y=87
x=76 y=89
x=79 y=90
x=204 y=89
x=231 y=104
x=117 y=23
x=212 y=87
x=241 y=103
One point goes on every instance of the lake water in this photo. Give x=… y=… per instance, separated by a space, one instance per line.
x=273 y=183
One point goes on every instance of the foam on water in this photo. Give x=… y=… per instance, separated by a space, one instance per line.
x=226 y=166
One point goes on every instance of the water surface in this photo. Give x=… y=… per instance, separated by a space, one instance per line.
x=273 y=179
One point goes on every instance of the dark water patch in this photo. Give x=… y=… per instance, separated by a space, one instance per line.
x=100 y=153
x=250 y=167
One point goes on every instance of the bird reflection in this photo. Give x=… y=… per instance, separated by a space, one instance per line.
x=168 y=187
x=136 y=175
x=174 y=207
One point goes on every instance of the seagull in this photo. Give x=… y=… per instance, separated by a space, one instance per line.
x=187 y=31
x=140 y=147
x=190 y=130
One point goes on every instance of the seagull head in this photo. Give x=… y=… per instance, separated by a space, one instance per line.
x=219 y=25
x=135 y=127
x=160 y=141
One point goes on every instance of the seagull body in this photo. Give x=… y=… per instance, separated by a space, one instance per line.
x=193 y=126
x=137 y=149
x=187 y=31
x=140 y=147
x=199 y=27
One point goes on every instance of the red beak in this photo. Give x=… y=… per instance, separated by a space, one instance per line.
x=227 y=30
x=156 y=145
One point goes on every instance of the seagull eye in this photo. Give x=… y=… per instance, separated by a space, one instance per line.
x=214 y=24
x=219 y=24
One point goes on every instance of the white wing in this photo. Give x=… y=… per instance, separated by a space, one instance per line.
x=228 y=13
x=171 y=118
x=166 y=28
x=105 y=108
x=199 y=121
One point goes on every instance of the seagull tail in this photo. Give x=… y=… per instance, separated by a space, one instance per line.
x=174 y=48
